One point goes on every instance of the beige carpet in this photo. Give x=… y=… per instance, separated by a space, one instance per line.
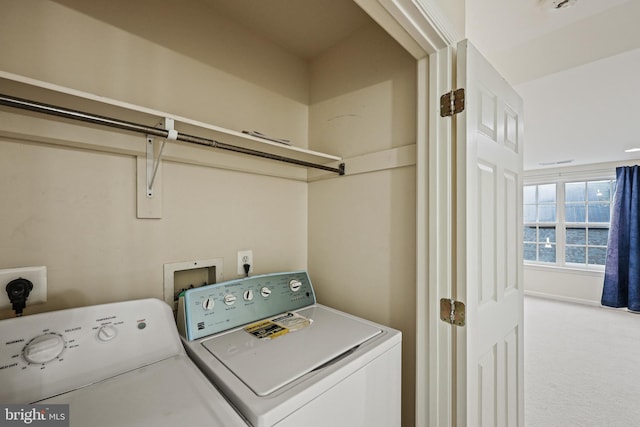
x=582 y=365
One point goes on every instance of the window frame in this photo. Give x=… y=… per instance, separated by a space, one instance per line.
x=561 y=225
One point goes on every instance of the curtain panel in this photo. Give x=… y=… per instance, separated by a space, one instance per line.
x=622 y=269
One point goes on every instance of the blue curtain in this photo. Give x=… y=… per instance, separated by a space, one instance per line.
x=622 y=270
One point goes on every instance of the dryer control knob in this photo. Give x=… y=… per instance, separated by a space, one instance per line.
x=248 y=295
x=44 y=348
x=265 y=292
x=295 y=285
x=107 y=333
x=229 y=299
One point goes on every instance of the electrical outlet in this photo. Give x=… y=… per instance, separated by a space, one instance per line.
x=245 y=257
x=36 y=275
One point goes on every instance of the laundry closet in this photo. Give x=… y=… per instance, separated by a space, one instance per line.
x=71 y=191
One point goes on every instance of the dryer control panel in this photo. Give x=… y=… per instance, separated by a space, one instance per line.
x=211 y=309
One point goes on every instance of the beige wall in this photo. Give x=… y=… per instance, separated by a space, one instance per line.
x=565 y=284
x=75 y=212
x=74 y=209
x=175 y=59
x=362 y=228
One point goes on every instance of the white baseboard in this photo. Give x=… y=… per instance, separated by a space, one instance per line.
x=562 y=298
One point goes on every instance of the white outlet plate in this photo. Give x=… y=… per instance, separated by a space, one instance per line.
x=36 y=275
x=245 y=257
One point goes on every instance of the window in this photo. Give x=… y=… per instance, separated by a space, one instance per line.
x=540 y=209
x=566 y=223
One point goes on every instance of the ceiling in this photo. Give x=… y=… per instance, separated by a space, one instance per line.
x=576 y=69
x=305 y=28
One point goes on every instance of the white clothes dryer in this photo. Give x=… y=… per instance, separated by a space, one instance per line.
x=283 y=360
x=119 y=364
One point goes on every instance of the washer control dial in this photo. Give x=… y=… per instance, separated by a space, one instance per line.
x=265 y=292
x=44 y=348
x=295 y=285
x=208 y=303
x=229 y=299
x=248 y=295
x=107 y=333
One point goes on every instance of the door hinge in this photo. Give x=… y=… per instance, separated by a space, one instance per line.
x=452 y=311
x=452 y=103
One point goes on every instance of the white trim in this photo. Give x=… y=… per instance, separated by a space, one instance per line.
x=560 y=269
x=438 y=21
x=441 y=171
x=424 y=21
x=561 y=298
x=583 y=173
x=424 y=389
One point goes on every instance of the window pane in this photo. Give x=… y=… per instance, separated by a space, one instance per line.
x=529 y=194
x=576 y=236
x=547 y=213
x=530 y=252
x=575 y=213
x=574 y=192
x=547 y=193
x=530 y=213
x=598 y=236
x=575 y=254
x=547 y=232
x=547 y=254
x=530 y=234
x=585 y=222
x=599 y=212
x=599 y=190
x=597 y=256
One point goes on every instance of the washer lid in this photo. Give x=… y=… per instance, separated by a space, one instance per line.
x=267 y=364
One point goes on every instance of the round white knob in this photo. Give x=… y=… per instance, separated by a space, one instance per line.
x=44 y=348
x=265 y=292
x=208 y=303
x=295 y=285
x=107 y=333
x=248 y=295
x=229 y=299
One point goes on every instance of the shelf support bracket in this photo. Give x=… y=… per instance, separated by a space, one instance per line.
x=152 y=162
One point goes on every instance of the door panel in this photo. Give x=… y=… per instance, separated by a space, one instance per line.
x=489 y=349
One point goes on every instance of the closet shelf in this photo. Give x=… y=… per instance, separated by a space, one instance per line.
x=216 y=137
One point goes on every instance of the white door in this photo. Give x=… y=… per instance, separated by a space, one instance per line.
x=489 y=348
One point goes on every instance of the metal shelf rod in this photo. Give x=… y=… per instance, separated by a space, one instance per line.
x=53 y=110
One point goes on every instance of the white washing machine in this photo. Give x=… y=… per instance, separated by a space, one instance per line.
x=119 y=364
x=283 y=360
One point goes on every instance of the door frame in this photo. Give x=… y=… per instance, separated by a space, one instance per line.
x=421 y=28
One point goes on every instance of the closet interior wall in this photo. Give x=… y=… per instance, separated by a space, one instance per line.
x=73 y=208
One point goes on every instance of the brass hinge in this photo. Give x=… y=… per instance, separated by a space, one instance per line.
x=452 y=103
x=452 y=311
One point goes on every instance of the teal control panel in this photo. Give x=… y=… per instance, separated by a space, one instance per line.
x=211 y=309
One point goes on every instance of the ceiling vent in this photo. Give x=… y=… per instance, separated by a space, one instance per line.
x=558 y=4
